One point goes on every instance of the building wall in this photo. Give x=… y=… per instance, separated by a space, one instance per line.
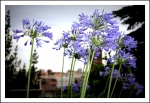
x=57 y=76
x=66 y=79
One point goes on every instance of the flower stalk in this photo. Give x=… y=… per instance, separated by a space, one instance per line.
x=88 y=72
x=69 y=84
x=72 y=79
x=29 y=70
x=62 y=74
x=116 y=79
x=85 y=76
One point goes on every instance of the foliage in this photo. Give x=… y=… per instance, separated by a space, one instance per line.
x=9 y=58
x=21 y=79
x=133 y=16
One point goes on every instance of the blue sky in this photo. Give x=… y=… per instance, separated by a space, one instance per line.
x=59 y=18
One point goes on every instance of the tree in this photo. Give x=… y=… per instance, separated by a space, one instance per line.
x=9 y=58
x=134 y=16
x=21 y=79
x=16 y=61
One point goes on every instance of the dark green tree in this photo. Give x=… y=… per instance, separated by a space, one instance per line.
x=16 y=61
x=135 y=16
x=9 y=58
x=21 y=79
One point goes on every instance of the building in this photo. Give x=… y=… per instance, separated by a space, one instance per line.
x=57 y=75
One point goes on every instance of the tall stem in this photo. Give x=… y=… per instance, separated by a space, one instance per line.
x=72 y=76
x=106 y=85
x=85 y=75
x=112 y=70
x=82 y=76
x=29 y=70
x=88 y=73
x=116 y=80
x=62 y=74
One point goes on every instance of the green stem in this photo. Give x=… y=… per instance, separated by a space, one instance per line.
x=106 y=85
x=116 y=80
x=81 y=81
x=88 y=73
x=72 y=76
x=29 y=73
x=130 y=93
x=121 y=92
x=62 y=74
x=112 y=70
x=83 y=84
x=85 y=75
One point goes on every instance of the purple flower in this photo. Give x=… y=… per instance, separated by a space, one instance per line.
x=17 y=31
x=64 y=41
x=48 y=35
x=25 y=22
x=131 y=83
x=132 y=62
x=127 y=58
x=111 y=59
x=34 y=31
x=115 y=73
x=100 y=73
x=107 y=16
x=129 y=42
x=85 y=20
x=139 y=89
x=106 y=72
x=75 y=88
x=64 y=88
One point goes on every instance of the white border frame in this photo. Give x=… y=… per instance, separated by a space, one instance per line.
x=146 y=3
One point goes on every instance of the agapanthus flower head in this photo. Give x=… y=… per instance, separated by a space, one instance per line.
x=63 y=41
x=129 y=42
x=139 y=88
x=127 y=59
x=106 y=72
x=34 y=30
x=131 y=83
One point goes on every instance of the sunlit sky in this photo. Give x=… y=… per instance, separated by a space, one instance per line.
x=59 y=18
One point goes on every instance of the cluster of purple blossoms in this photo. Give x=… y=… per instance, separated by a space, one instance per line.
x=131 y=83
x=92 y=31
x=108 y=71
x=127 y=59
x=129 y=42
x=75 y=88
x=34 y=31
